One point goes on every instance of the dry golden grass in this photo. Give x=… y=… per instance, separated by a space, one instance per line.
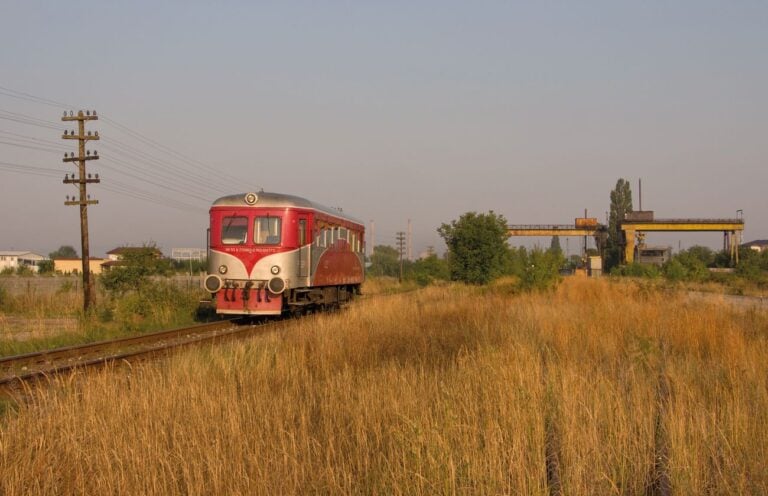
x=441 y=391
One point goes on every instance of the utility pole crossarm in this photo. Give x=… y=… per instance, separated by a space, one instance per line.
x=78 y=159
x=87 y=137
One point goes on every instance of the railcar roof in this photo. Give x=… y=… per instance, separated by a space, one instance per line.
x=278 y=200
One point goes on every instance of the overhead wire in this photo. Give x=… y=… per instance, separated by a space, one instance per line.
x=135 y=134
x=165 y=149
x=32 y=98
x=196 y=182
x=185 y=175
x=206 y=178
x=115 y=186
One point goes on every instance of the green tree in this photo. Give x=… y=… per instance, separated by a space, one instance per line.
x=427 y=270
x=752 y=265
x=542 y=269
x=516 y=261
x=477 y=247
x=621 y=204
x=385 y=261
x=554 y=245
x=45 y=267
x=137 y=266
x=702 y=253
x=64 y=251
x=692 y=263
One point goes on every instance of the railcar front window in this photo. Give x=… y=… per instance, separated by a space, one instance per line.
x=266 y=230
x=234 y=230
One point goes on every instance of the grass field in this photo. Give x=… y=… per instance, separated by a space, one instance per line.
x=448 y=390
x=32 y=321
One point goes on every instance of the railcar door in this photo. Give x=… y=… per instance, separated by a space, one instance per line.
x=303 y=253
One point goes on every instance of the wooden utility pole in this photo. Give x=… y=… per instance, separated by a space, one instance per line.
x=401 y=249
x=82 y=180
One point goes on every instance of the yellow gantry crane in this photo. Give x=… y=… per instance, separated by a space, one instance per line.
x=633 y=228
x=731 y=229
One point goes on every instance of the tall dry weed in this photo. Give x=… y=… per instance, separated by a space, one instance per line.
x=441 y=391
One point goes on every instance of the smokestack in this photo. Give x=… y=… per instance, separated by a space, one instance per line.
x=409 y=245
x=373 y=238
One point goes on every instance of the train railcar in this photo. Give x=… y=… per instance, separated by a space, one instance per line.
x=271 y=253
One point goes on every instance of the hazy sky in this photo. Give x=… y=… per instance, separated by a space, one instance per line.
x=391 y=110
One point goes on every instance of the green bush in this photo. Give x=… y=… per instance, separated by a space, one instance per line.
x=65 y=287
x=637 y=270
x=23 y=270
x=428 y=270
x=675 y=271
x=159 y=303
x=4 y=299
x=542 y=269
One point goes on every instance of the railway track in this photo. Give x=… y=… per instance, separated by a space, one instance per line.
x=18 y=370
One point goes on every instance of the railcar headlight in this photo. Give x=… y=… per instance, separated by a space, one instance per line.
x=276 y=285
x=222 y=269
x=251 y=198
x=275 y=270
x=213 y=283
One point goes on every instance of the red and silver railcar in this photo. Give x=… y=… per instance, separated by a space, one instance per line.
x=271 y=253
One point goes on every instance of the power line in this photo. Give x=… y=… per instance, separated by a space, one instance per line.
x=120 y=188
x=29 y=120
x=32 y=98
x=29 y=142
x=201 y=166
x=165 y=149
x=181 y=174
x=31 y=147
x=204 y=181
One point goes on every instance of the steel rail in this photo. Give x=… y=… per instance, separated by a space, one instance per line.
x=19 y=369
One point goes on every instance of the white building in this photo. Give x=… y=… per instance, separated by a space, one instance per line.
x=184 y=254
x=759 y=245
x=16 y=259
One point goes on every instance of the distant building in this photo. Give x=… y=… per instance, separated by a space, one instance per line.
x=594 y=266
x=654 y=255
x=759 y=245
x=75 y=265
x=16 y=259
x=186 y=254
x=116 y=255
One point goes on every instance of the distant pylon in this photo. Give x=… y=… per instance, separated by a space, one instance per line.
x=401 y=250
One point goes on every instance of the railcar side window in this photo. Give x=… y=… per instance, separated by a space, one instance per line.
x=302 y=232
x=266 y=230
x=234 y=230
